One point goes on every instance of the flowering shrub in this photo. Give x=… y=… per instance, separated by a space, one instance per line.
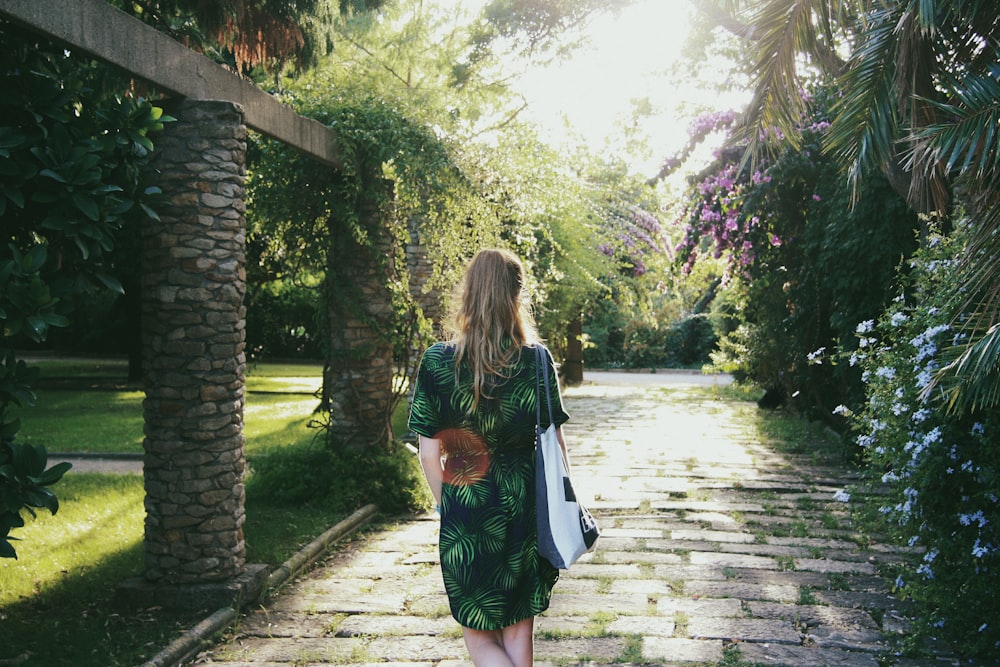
x=942 y=471
x=637 y=235
x=804 y=262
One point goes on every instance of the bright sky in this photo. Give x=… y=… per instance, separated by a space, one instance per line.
x=626 y=59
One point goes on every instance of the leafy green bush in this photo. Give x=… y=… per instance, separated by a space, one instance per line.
x=340 y=479
x=690 y=341
x=645 y=344
x=282 y=322
x=942 y=470
x=71 y=156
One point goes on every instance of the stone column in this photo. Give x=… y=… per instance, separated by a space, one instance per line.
x=194 y=280
x=358 y=382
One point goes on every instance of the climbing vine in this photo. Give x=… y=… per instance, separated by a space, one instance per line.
x=325 y=224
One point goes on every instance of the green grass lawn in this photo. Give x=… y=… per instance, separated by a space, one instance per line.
x=280 y=401
x=57 y=601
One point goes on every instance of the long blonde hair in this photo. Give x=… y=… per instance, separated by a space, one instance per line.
x=493 y=319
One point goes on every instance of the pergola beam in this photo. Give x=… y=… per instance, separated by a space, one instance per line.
x=110 y=35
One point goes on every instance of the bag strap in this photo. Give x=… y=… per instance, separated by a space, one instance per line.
x=542 y=378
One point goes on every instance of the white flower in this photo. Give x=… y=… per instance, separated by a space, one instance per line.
x=865 y=327
x=898 y=318
x=842 y=410
x=842 y=496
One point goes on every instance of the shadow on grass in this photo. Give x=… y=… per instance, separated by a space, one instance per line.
x=77 y=622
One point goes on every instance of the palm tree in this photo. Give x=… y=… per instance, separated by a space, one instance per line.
x=920 y=81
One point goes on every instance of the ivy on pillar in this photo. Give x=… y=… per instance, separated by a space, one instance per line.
x=358 y=382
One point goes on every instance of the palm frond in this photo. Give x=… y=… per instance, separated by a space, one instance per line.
x=979 y=272
x=784 y=31
x=969 y=143
x=866 y=124
x=972 y=381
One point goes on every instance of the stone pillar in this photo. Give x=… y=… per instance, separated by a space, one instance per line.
x=419 y=266
x=358 y=382
x=194 y=280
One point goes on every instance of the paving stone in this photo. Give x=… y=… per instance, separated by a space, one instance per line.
x=718 y=559
x=647 y=626
x=641 y=533
x=431 y=606
x=707 y=506
x=828 y=566
x=609 y=571
x=813 y=615
x=772 y=550
x=742 y=590
x=376 y=625
x=431 y=557
x=677 y=650
x=671 y=485
x=815 y=542
x=273 y=623
x=602 y=649
x=857 y=599
x=744 y=629
x=298 y=650
x=831 y=636
x=434 y=648
x=648 y=587
x=641 y=558
x=778 y=655
x=698 y=607
x=563 y=625
x=588 y=605
x=579 y=586
x=783 y=577
x=712 y=535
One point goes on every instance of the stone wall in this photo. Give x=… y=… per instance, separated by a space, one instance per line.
x=194 y=281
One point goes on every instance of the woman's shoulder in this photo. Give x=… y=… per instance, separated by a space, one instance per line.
x=533 y=347
x=439 y=353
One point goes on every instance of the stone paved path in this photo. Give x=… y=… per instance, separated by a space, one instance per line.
x=715 y=551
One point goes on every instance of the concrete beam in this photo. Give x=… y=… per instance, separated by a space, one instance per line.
x=110 y=35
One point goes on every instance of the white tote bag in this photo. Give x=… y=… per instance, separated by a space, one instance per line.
x=566 y=529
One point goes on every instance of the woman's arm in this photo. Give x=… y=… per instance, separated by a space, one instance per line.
x=430 y=461
x=562 y=443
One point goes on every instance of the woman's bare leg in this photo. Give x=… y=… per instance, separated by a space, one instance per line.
x=518 y=642
x=486 y=648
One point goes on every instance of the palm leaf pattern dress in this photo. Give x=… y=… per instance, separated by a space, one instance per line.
x=492 y=572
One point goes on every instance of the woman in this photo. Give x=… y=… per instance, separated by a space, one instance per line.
x=474 y=410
